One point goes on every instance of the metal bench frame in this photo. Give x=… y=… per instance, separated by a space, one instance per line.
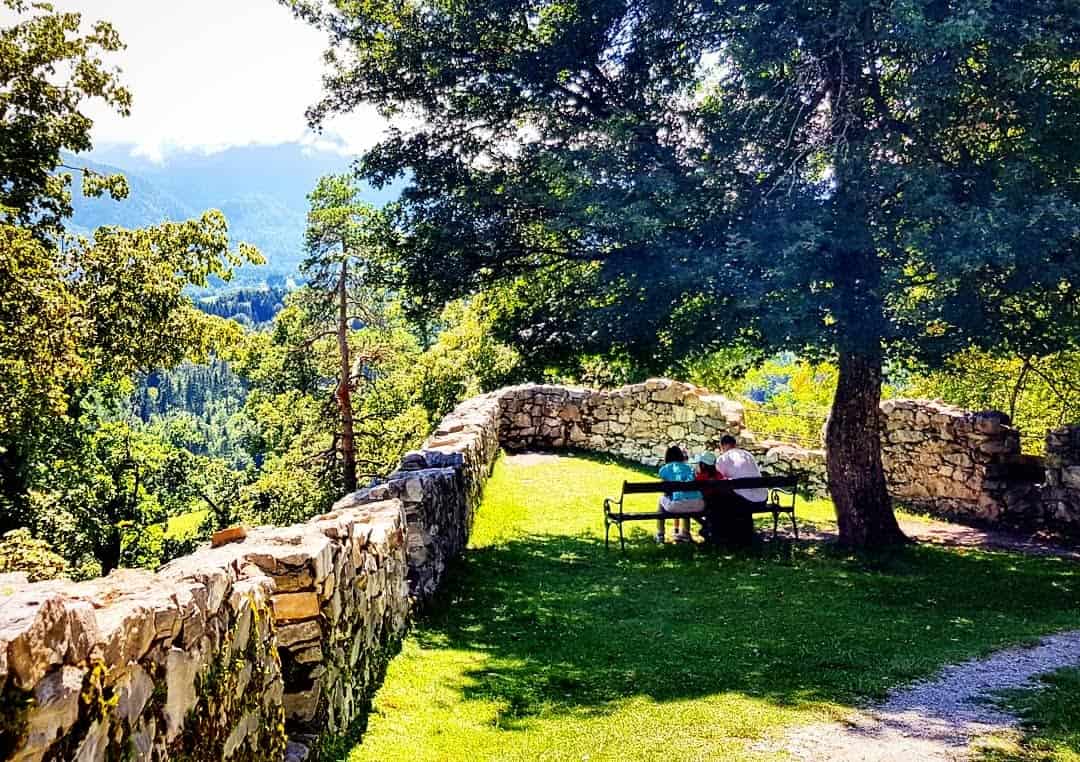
x=781 y=488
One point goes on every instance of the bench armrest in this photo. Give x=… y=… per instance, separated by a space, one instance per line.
x=611 y=501
x=775 y=498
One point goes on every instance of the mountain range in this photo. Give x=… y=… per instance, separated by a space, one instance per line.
x=262 y=190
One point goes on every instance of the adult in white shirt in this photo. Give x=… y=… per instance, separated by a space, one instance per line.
x=737 y=463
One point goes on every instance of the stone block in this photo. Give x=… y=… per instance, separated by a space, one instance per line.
x=300 y=632
x=226 y=536
x=181 y=669
x=295 y=606
x=55 y=710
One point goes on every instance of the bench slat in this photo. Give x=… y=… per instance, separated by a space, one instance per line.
x=724 y=485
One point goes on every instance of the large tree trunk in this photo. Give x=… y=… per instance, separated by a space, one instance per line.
x=344 y=390
x=853 y=443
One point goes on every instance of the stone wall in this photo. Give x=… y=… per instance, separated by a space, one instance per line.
x=440 y=487
x=637 y=422
x=248 y=651
x=212 y=657
x=940 y=458
x=1059 y=496
x=937 y=458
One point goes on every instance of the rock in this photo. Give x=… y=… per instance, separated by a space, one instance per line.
x=55 y=711
x=95 y=743
x=226 y=536
x=180 y=698
x=245 y=727
x=132 y=692
x=301 y=632
x=34 y=635
x=295 y=752
x=303 y=705
x=293 y=606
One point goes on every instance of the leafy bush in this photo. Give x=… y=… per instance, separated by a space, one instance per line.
x=20 y=551
x=1038 y=393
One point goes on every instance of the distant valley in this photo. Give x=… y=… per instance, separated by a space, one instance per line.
x=262 y=190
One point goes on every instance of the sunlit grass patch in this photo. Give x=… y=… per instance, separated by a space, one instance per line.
x=185 y=525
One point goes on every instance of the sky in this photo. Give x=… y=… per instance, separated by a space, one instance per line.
x=211 y=74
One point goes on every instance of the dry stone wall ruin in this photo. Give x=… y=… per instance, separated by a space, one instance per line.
x=258 y=649
x=255 y=650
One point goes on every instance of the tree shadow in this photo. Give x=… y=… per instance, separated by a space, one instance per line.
x=570 y=627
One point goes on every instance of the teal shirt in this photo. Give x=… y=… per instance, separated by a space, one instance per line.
x=679 y=472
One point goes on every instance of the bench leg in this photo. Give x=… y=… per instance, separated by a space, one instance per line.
x=794 y=526
x=622 y=539
x=775 y=523
x=607 y=532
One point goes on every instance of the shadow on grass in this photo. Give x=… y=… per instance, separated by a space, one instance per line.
x=572 y=628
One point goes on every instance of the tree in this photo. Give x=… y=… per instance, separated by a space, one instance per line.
x=78 y=320
x=844 y=178
x=47 y=72
x=341 y=241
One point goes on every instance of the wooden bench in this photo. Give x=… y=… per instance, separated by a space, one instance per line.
x=781 y=488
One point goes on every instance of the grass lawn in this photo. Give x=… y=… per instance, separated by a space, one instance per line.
x=185 y=524
x=1050 y=716
x=544 y=646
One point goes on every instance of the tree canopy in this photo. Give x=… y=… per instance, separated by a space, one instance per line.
x=82 y=315
x=48 y=70
x=866 y=179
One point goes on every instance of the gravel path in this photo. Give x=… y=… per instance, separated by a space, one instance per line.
x=934 y=720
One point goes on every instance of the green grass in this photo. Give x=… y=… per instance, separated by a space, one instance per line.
x=544 y=646
x=1050 y=717
x=185 y=525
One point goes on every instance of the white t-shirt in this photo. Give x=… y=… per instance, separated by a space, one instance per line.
x=737 y=463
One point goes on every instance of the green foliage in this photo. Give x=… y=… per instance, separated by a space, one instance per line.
x=788 y=399
x=21 y=552
x=80 y=315
x=197 y=407
x=539 y=640
x=79 y=319
x=253 y=307
x=1038 y=393
x=49 y=71
x=399 y=391
x=465 y=360
x=739 y=167
x=720 y=371
x=112 y=491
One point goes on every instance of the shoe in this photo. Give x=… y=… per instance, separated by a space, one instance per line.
x=683 y=537
x=659 y=539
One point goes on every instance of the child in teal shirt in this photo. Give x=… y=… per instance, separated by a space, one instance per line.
x=676 y=469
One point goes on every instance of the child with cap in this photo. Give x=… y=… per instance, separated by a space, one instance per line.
x=676 y=469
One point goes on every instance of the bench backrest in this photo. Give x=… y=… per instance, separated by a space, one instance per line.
x=723 y=485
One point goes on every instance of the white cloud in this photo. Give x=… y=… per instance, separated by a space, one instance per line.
x=210 y=74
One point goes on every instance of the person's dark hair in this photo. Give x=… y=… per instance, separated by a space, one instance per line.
x=674 y=454
x=727 y=439
x=707 y=468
